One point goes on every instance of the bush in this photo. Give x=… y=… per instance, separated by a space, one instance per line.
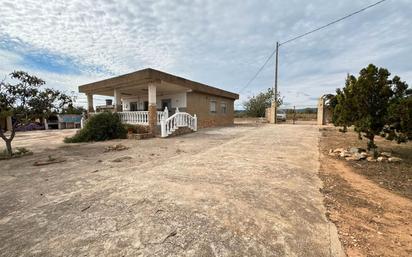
x=100 y=127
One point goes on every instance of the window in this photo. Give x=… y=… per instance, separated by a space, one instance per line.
x=223 y=106
x=133 y=106
x=212 y=106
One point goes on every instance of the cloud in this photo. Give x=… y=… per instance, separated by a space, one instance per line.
x=221 y=43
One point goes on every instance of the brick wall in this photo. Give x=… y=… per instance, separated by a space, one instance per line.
x=199 y=104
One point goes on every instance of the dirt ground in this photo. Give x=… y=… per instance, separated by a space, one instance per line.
x=369 y=202
x=247 y=190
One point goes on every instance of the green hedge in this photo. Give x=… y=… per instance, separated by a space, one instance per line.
x=100 y=127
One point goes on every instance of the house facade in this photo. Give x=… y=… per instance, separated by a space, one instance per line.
x=148 y=96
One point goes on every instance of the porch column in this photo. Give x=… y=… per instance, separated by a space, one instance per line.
x=152 y=108
x=90 y=102
x=117 y=101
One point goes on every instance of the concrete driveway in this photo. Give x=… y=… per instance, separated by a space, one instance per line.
x=237 y=191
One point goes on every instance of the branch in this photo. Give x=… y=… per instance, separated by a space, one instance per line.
x=13 y=131
x=2 y=135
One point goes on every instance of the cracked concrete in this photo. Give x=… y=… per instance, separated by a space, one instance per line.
x=236 y=191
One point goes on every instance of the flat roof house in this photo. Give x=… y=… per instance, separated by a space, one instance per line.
x=150 y=97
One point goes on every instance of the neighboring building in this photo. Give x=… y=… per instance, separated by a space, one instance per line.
x=149 y=92
x=63 y=121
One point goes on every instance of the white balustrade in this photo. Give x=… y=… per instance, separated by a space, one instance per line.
x=168 y=124
x=141 y=117
x=132 y=117
x=177 y=120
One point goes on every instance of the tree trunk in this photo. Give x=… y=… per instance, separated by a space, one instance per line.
x=8 y=147
x=8 y=140
x=371 y=145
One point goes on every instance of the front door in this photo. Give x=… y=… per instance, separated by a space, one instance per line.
x=167 y=103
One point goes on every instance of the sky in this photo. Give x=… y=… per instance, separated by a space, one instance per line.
x=221 y=43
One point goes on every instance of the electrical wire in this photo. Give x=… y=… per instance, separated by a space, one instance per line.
x=303 y=35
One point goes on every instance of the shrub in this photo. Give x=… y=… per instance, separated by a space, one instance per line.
x=100 y=127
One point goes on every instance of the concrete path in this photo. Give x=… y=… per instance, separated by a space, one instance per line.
x=240 y=191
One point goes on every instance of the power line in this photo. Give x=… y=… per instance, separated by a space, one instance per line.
x=305 y=34
x=333 y=22
x=258 y=71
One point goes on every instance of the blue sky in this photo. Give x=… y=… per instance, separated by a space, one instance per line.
x=220 y=43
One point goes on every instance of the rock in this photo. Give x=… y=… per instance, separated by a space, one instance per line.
x=359 y=156
x=364 y=155
x=338 y=150
x=118 y=147
x=354 y=150
x=386 y=154
x=123 y=158
x=381 y=159
x=355 y=157
x=394 y=159
x=351 y=158
x=371 y=159
x=345 y=154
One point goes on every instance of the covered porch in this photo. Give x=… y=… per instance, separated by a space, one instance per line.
x=146 y=102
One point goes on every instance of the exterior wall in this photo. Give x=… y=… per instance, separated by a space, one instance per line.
x=178 y=101
x=199 y=104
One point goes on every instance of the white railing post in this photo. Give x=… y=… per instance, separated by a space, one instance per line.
x=195 y=123
x=163 y=127
x=166 y=113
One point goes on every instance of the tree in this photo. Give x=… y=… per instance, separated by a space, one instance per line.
x=372 y=103
x=256 y=106
x=25 y=102
x=399 y=121
x=71 y=109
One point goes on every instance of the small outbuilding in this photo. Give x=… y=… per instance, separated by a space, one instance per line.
x=146 y=97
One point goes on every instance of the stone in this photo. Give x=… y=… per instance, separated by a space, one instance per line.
x=386 y=154
x=338 y=150
x=371 y=159
x=354 y=150
x=351 y=158
x=344 y=154
x=123 y=158
x=333 y=154
x=118 y=147
x=394 y=159
x=381 y=159
x=364 y=155
x=359 y=156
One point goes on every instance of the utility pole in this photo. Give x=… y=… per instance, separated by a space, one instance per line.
x=294 y=114
x=275 y=88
